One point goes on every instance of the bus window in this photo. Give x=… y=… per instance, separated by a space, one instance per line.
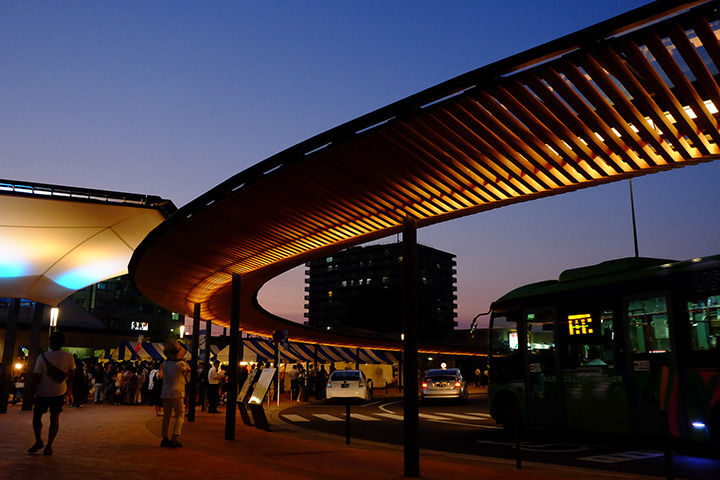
x=540 y=332
x=649 y=329
x=589 y=339
x=503 y=336
x=704 y=318
x=504 y=351
x=541 y=339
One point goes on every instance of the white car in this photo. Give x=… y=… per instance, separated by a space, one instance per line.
x=348 y=385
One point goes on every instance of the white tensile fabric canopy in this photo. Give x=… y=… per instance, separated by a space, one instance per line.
x=55 y=241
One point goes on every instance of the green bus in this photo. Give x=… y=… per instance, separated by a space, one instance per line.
x=611 y=348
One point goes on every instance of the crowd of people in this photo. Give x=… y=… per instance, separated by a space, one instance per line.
x=308 y=383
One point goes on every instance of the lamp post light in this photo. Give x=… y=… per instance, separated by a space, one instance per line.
x=54 y=312
x=182 y=331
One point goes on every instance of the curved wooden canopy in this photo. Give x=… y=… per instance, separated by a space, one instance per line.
x=633 y=95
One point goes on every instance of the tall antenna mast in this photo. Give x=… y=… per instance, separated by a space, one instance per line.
x=632 y=208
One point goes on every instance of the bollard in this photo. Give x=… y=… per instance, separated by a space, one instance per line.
x=517 y=419
x=347 y=423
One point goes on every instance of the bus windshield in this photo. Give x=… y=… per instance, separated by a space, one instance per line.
x=503 y=336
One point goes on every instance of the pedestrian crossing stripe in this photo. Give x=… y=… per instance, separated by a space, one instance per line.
x=392 y=416
x=364 y=418
x=295 y=418
x=475 y=414
x=447 y=417
x=461 y=415
x=329 y=418
x=427 y=416
x=623 y=456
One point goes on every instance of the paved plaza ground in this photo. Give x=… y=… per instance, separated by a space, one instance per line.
x=122 y=442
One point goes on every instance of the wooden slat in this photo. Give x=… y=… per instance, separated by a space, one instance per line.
x=622 y=113
x=640 y=107
x=593 y=168
x=588 y=114
x=704 y=79
x=684 y=123
x=492 y=147
x=549 y=126
x=548 y=167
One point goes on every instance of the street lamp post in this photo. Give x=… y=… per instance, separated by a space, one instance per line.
x=54 y=312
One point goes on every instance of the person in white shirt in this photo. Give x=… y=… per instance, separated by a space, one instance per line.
x=215 y=376
x=174 y=374
x=50 y=394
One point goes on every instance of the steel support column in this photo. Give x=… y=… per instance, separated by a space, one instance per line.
x=35 y=336
x=233 y=360
x=194 y=363
x=410 y=347
x=206 y=359
x=8 y=358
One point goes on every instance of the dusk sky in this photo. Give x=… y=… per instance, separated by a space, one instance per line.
x=171 y=98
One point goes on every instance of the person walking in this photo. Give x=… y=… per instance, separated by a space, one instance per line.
x=51 y=390
x=99 y=384
x=215 y=376
x=156 y=384
x=173 y=372
x=294 y=383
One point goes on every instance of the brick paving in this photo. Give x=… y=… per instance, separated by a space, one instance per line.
x=122 y=442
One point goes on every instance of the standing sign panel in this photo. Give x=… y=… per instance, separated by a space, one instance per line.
x=262 y=385
x=245 y=394
x=255 y=404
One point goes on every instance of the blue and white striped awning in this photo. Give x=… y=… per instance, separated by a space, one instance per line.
x=308 y=352
x=125 y=351
x=262 y=349
x=265 y=351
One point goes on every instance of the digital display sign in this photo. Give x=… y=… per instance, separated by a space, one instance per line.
x=582 y=324
x=140 y=326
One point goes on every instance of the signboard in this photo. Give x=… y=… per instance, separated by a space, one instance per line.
x=247 y=386
x=262 y=385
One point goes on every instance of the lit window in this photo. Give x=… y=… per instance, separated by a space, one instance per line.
x=649 y=328
x=704 y=318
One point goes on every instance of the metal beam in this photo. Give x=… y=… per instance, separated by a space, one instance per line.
x=410 y=348
x=8 y=357
x=194 y=363
x=233 y=360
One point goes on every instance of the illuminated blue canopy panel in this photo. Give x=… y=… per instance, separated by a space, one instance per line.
x=56 y=240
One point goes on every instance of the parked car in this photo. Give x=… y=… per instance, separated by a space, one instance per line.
x=348 y=384
x=444 y=383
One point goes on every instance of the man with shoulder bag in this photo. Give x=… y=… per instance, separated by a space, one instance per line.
x=53 y=375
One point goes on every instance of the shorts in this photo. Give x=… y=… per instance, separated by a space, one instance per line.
x=54 y=404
